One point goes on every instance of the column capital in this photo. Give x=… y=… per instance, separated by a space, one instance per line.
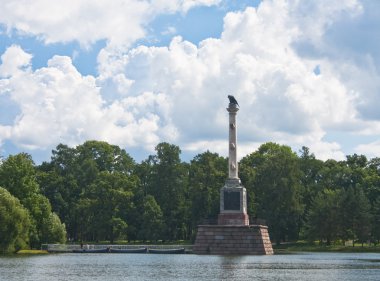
x=232 y=108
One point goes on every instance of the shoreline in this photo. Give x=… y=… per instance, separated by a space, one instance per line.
x=304 y=247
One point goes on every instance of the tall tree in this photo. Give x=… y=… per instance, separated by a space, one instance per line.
x=208 y=172
x=276 y=185
x=108 y=198
x=375 y=226
x=58 y=182
x=169 y=188
x=18 y=176
x=14 y=223
x=355 y=215
x=323 y=221
x=152 y=220
x=310 y=179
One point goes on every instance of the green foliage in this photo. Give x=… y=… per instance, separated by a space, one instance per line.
x=14 y=223
x=355 y=215
x=274 y=176
x=152 y=220
x=100 y=193
x=18 y=176
x=90 y=188
x=169 y=187
x=53 y=231
x=376 y=220
x=208 y=172
x=102 y=206
x=323 y=216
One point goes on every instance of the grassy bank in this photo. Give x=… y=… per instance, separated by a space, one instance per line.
x=302 y=246
x=32 y=252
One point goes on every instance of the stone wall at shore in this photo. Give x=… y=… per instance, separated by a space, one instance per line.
x=233 y=240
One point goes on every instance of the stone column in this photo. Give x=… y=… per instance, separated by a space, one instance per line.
x=233 y=196
x=232 y=145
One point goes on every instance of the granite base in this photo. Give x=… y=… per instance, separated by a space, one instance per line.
x=233 y=240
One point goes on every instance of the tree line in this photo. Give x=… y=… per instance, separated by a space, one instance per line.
x=97 y=192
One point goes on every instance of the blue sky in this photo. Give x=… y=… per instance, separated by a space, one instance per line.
x=136 y=73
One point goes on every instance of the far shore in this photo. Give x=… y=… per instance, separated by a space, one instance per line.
x=284 y=248
x=294 y=247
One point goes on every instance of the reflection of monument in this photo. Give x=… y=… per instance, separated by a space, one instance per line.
x=233 y=234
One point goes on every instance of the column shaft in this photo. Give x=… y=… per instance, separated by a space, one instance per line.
x=232 y=145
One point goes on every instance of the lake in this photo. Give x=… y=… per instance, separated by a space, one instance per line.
x=110 y=267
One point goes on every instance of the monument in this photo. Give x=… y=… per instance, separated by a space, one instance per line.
x=233 y=234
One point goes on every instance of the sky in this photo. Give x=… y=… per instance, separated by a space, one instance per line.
x=135 y=73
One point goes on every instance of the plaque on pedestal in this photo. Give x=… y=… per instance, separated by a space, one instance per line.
x=231 y=200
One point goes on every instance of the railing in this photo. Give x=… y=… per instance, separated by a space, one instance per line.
x=63 y=248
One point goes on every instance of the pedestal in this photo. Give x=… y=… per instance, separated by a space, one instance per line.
x=233 y=204
x=233 y=234
x=233 y=240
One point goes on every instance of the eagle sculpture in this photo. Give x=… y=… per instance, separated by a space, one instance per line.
x=233 y=100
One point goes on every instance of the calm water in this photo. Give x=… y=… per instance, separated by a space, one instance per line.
x=309 y=266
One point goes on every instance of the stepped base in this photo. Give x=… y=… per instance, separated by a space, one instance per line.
x=233 y=240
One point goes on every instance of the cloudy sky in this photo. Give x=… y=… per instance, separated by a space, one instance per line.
x=138 y=72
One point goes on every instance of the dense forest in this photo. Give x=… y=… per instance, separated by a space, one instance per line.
x=97 y=192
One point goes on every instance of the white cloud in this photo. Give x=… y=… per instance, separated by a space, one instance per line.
x=370 y=149
x=13 y=61
x=59 y=105
x=178 y=93
x=256 y=58
x=120 y=22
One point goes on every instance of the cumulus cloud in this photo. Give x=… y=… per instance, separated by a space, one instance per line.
x=178 y=93
x=119 y=22
x=14 y=61
x=59 y=105
x=256 y=59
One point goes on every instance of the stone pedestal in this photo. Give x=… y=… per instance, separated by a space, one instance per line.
x=233 y=205
x=233 y=240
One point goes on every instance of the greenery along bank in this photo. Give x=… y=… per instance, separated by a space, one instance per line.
x=97 y=192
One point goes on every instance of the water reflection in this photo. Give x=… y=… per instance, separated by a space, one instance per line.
x=310 y=267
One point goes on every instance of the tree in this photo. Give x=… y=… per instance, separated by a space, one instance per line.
x=18 y=176
x=311 y=175
x=107 y=157
x=310 y=179
x=14 y=223
x=53 y=231
x=169 y=187
x=274 y=176
x=152 y=220
x=71 y=179
x=323 y=217
x=355 y=215
x=376 y=220
x=103 y=205
x=207 y=175
x=58 y=182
